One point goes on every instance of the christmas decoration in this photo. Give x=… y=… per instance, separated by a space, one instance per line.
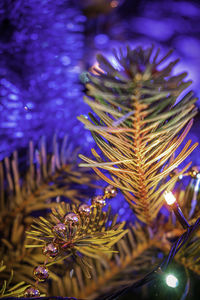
x=138 y=125
x=110 y=191
x=171 y=200
x=44 y=180
x=85 y=236
x=41 y=273
x=84 y=209
x=79 y=249
x=59 y=230
x=39 y=70
x=98 y=201
x=50 y=250
x=72 y=219
x=171 y=281
x=31 y=292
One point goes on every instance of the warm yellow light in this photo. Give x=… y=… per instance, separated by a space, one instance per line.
x=169 y=198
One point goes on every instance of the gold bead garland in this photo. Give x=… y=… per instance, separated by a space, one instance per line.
x=64 y=231
x=98 y=201
x=59 y=230
x=71 y=219
x=194 y=171
x=41 y=273
x=51 y=250
x=84 y=209
x=110 y=191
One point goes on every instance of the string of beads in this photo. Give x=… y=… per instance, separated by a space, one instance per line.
x=70 y=220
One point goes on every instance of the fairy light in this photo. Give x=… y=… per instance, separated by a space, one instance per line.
x=171 y=281
x=169 y=198
x=171 y=201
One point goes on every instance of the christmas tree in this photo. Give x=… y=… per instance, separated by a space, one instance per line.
x=142 y=114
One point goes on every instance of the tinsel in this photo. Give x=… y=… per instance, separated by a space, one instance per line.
x=39 y=70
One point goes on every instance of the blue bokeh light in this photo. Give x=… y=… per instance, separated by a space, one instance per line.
x=39 y=75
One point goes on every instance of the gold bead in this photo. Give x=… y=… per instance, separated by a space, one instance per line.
x=71 y=219
x=41 y=273
x=98 y=201
x=84 y=209
x=50 y=250
x=194 y=171
x=31 y=292
x=59 y=230
x=110 y=191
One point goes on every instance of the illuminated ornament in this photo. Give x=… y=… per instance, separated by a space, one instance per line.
x=98 y=201
x=41 y=273
x=110 y=191
x=71 y=219
x=84 y=209
x=31 y=292
x=50 y=250
x=169 y=198
x=171 y=281
x=59 y=230
x=194 y=172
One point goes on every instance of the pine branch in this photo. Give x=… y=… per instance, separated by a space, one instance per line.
x=189 y=257
x=189 y=254
x=82 y=246
x=186 y=240
x=142 y=119
x=138 y=253
x=49 y=177
x=133 y=259
x=14 y=291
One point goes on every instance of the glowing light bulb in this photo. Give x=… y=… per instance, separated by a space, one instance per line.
x=171 y=281
x=169 y=198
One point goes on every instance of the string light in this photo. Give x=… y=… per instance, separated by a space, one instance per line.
x=171 y=201
x=169 y=198
x=171 y=281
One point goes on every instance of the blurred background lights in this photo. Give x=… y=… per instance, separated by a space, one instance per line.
x=171 y=281
x=114 y=3
x=101 y=40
